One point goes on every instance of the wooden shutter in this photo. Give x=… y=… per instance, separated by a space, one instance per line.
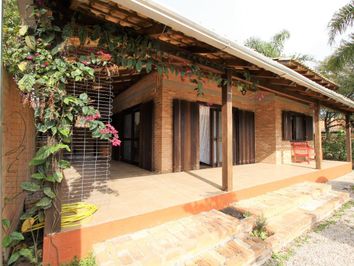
x=287 y=125
x=185 y=135
x=244 y=150
x=234 y=135
x=309 y=127
x=146 y=135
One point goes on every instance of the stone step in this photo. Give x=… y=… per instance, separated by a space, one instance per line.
x=173 y=241
x=236 y=252
x=215 y=238
x=277 y=202
x=294 y=223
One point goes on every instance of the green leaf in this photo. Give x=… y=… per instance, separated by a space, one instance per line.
x=159 y=70
x=30 y=42
x=44 y=152
x=44 y=203
x=23 y=30
x=26 y=83
x=82 y=32
x=38 y=176
x=30 y=186
x=11 y=238
x=63 y=164
x=27 y=253
x=50 y=178
x=22 y=66
x=149 y=66
x=64 y=131
x=85 y=110
x=58 y=176
x=83 y=97
x=54 y=130
x=13 y=258
x=56 y=49
x=71 y=99
x=138 y=66
x=6 y=223
x=49 y=37
x=49 y=192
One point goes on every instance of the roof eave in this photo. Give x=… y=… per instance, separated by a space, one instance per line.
x=188 y=27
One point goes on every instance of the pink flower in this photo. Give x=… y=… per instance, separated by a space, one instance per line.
x=85 y=62
x=116 y=142
x=104 y=131
x=109 y=129
x=93 y=117
x=30 y=57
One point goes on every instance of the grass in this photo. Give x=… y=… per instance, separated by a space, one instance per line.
x=335 y=217
x=260 y=229
x=280 y=258
x=88 y=261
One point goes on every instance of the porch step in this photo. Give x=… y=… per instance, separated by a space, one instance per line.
x=236 y=252
x=277 y=202
x=167 y=243
x=213 y=238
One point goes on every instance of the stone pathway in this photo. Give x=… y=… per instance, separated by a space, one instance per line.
x=214 y=238
x=330 y=243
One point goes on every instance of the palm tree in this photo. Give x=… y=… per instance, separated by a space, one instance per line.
x=275 y=47
x=340 y=22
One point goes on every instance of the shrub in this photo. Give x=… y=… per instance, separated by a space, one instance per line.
x=334 y=147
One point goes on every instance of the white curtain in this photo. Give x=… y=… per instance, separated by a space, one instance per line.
x=204 y=120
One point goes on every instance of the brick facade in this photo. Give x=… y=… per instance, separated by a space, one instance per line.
x=268 y=130
x=17 y=148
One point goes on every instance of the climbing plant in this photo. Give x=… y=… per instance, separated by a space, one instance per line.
x=42 y=58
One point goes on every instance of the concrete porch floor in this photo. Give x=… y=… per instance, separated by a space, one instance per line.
x=135 y=200
x=133 y=191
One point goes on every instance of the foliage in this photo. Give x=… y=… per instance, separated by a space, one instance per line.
x=88 y=261
x=340 y=22
x=43 y=60
x=344 y=78
x=275 y=47
x=334 y=147
x=260 y=229
x=335 y=217
x=33 y=54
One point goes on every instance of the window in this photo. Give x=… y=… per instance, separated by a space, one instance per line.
x=297 y=126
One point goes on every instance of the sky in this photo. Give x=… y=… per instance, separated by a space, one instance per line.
x=306 y=20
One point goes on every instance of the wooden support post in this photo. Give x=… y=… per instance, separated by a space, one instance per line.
x=226 y=121
x=318 y=137
x=348 y=137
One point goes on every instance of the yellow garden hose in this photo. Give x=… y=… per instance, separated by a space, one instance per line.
x=73 y=214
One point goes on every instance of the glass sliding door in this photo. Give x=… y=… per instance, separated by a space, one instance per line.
x=130 y=140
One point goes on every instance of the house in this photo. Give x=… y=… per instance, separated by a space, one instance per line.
x=181 y=152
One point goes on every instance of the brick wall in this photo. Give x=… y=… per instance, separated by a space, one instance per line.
x=268 y=128
x=17 y=148
x=265 y=127
x=174 y=88
x=283 y=148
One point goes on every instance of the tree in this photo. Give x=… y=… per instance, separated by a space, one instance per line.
x=338 y=25
x=275 y=47
x=344 y=78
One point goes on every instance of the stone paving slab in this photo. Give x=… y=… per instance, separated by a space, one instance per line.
x=213 y=238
